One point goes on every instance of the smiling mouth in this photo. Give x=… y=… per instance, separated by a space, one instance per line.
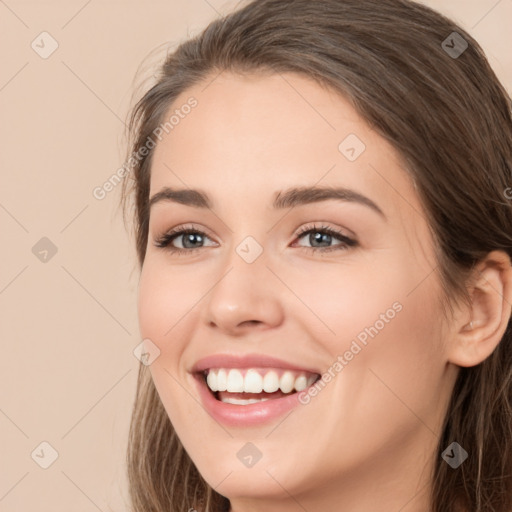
x=245 y=386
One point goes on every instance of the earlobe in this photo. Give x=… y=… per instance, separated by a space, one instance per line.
x=480 y=329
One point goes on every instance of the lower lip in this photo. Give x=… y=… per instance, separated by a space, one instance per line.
x=244 y=415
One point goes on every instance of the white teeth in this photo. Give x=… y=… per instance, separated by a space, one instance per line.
x=241 y=401
x=218 y=381
x=256 y=381
x=271 y=382
x=253 y=382
x=235 y=383
x=211 y=380
x=301 y=383
x=222 y=380
x=287 y=381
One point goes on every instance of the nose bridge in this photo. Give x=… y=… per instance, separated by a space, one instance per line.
x=242 y=294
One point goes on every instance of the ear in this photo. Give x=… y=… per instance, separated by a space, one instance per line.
x=479 y=329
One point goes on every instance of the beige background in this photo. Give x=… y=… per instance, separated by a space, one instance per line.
x=68 y=324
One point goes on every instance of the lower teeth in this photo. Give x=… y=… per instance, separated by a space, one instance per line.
x=241 y=401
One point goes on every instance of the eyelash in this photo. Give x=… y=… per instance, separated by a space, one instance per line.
x=165 y=240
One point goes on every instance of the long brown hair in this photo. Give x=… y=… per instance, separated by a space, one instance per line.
x=435 y=98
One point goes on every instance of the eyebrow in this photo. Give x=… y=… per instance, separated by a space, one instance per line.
x=283 y=199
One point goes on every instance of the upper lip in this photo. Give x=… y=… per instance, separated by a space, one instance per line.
x=245 y=361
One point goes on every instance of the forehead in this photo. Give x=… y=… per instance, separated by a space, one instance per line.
x=249 y=136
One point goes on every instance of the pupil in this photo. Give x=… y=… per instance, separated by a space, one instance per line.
x=192 y=237
x=319 y=237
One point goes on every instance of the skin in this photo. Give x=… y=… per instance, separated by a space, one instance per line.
x=368 y=440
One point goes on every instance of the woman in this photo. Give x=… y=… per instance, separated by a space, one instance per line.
x=325 y=237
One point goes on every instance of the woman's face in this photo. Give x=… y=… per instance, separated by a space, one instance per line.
x=276 y=288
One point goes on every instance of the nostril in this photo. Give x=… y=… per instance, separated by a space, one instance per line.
x=251 y=322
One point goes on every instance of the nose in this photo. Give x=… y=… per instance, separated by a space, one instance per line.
x=246 y=296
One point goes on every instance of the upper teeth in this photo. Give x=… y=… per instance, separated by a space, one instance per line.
x=256 y=381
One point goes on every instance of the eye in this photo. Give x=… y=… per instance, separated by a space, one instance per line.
x=324 y=235
x=192 y=238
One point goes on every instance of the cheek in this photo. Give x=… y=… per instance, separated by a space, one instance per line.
x=165 y=297
x=337 y=303
x=396 y=372
x=165 y=303
x=377 y=318
x=154 y=312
